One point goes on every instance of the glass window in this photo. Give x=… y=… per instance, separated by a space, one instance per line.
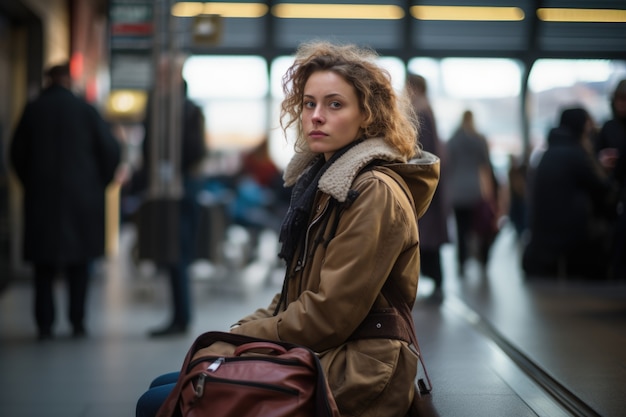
x=281 y=148
x=232 y=91
x=555 y=84
x=490 y=88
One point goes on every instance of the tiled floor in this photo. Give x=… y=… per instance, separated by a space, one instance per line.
x=574 y=331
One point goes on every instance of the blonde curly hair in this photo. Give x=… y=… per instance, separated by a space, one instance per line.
x=388 y=115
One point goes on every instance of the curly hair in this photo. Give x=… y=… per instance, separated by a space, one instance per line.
x=388 y=115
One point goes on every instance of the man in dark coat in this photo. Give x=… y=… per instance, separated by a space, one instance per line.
x=64 y=155
x=570 y=202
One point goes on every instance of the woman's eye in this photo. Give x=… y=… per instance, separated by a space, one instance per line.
x=335 y=104
x=309 y=104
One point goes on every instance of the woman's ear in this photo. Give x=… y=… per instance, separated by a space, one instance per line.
x=364 y=122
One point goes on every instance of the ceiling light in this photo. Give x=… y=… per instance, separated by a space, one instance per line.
x=224 y=9
x=337 y=11
x=126 y=104
x=582 y=15
x=467 y=13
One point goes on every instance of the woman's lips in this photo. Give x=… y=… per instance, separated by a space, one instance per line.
x=316 y=134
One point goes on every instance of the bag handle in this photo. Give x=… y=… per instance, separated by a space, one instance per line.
x=260 y=345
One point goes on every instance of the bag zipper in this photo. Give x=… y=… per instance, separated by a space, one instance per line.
x=219 y=361
x=204 y=378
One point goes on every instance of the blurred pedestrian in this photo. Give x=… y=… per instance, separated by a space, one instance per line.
x=517 y=177
x=473 y=192
x=261 y=200
x=571 y=199
x=611 y=149
x=193 y=150
x=65 y=155
x=434 y=224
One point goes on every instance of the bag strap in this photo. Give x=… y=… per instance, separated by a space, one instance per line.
x=392 y=293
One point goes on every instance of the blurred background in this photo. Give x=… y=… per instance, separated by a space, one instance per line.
x=514 y=64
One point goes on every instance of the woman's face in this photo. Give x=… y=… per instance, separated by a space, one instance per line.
x=331 y=115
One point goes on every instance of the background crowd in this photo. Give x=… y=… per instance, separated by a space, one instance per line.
x=564 y=200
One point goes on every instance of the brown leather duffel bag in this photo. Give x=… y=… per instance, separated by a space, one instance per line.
x=261 y=378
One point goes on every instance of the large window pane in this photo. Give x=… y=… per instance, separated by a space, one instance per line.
x=232 y=92
x=490 y=88
x=555 y=84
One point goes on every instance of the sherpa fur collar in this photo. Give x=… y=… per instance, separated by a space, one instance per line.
x=338 y=178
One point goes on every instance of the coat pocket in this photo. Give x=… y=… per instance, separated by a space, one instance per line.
x=359 y=371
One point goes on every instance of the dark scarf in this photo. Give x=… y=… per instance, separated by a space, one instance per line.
x=293 y=228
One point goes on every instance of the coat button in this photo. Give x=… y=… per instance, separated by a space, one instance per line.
x=378 y=325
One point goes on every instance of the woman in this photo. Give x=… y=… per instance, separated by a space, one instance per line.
x=473 y=190
x=350 y=228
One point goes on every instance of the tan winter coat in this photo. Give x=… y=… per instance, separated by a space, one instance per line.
x=376 y=239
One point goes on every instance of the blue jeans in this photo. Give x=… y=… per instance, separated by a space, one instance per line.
x=178 y=272
x=150 y=402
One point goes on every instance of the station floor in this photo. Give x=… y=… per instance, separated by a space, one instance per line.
x=497 y=346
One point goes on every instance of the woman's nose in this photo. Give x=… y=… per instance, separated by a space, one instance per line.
x=317 y=117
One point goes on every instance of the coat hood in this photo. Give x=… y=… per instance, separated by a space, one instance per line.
x=560 y=136
x=420 y=174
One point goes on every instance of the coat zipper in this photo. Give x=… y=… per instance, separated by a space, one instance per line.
x=302 y=260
